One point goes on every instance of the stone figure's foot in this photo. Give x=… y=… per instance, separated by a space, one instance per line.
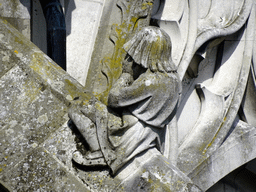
x=91 y=160
x=94 y=155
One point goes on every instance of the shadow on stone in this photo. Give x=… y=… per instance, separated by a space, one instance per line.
x=3 y=188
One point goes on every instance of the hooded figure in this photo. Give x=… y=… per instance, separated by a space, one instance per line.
x=147 y=96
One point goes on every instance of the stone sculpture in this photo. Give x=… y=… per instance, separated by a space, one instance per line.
x=169 y=103
x=197 y=37
x=147 y=95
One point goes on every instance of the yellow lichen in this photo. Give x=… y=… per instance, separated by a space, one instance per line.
x=214 y=138
x=150 y=181
x=126 y=28
x=18 y=40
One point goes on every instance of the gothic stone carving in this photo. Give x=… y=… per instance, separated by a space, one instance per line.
x=146 y=97
x=137 y=108
x=135 y=120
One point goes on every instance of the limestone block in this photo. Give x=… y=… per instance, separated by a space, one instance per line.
x=18 y=14
x=82 y=21
x=150 y=172
x=38 y=171
x=34 y=96
x=237 y=150
x=35 y=142
x=29 y=112
x=14 y=8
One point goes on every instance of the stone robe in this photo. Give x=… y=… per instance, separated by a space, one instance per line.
x=148 y=105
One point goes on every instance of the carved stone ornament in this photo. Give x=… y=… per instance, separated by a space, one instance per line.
x=168 y=105
x=143 y=83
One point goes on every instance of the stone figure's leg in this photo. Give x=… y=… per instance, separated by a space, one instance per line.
x=87 y=128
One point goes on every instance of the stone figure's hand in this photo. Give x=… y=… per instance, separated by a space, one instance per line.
x=126 y=91
x=85 y=126
x=125 y=80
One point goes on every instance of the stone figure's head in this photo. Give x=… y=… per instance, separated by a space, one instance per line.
x=151 y=48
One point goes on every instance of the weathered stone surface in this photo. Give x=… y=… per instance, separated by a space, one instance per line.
x=7 y=60
x=33 y=108
x=35 y=94
x=228 y=82
x=29 y=113
x=237 y=150
x=62 y=143
x=17 y=13
x=82 y=22
x=37 y=141
x=151 y=172
x=39 y=171
x=14 y=8
x=102 y=45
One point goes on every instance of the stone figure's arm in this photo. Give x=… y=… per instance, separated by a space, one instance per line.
x=125 y=92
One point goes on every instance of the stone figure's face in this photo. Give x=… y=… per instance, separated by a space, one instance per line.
x=130 y=66
x=137 y=70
